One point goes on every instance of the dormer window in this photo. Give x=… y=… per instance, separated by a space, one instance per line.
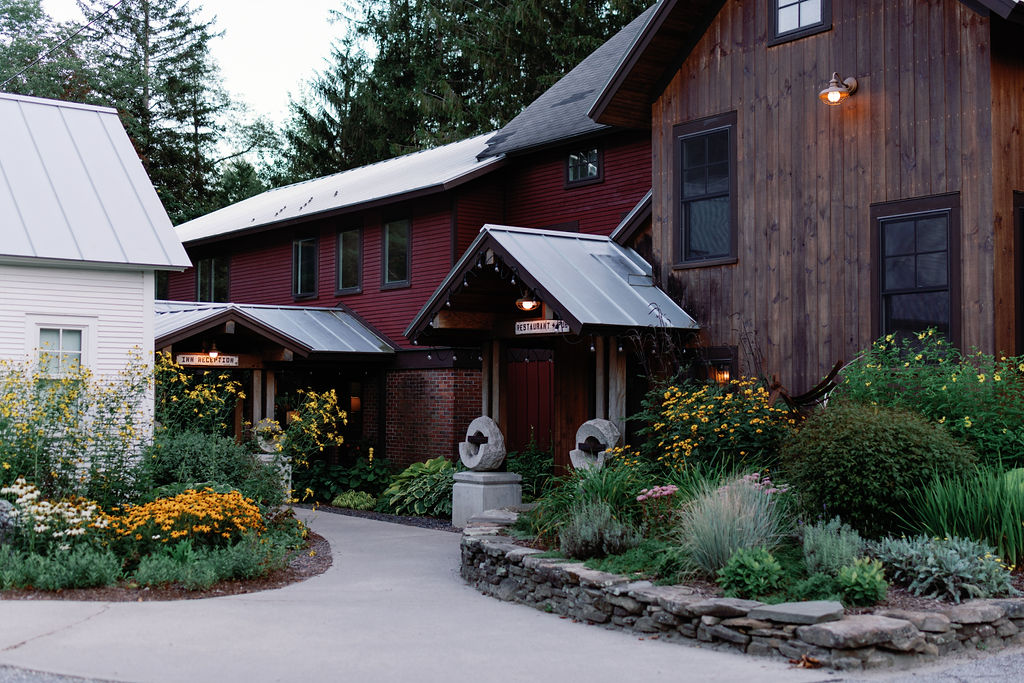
x=793 y=19
x=583 y=166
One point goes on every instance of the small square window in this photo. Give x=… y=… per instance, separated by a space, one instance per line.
x=349 y=260
x=304 y=267
x=396 y=253
x=583 y=167
x=60 y=350
x=793 y=19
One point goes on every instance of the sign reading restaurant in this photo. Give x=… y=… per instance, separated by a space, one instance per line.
x=541 y=326
x=205 y=359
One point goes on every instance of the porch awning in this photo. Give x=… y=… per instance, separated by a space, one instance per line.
x=589 y=281
x=304 y=330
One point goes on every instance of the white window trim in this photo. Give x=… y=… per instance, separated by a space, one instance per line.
x=85 y=324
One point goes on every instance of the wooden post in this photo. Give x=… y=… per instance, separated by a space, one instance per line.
x=271 y=395
x=617 y=387
x=485 y=381
x=497 y=405
x=257 y=396
x=600 y=390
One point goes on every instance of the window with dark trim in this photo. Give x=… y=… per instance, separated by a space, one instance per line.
x=917 y=266
x=583 y=167
x=396 y=253
x=705 y=188
x=792 y=19
x=212 y=279
x=349 y=259
x=304 y=268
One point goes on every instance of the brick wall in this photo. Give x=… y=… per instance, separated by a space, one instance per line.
x=428 y=411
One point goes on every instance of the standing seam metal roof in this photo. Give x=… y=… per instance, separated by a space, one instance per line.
x=72 y=188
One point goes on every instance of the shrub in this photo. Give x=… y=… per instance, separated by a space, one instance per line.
x=355 y=500
x=733 y=517
x=977 y=398
x=81 y=567
x=326 y=481
x=423 y=488
x=194 y=401
x=860 y=461
x=593 y=531
x=41 y=525
x=206 y=517
x=863 y=582
x=829 y=546
x=317 y=424
x=199 y=568
x=986 y=505
x=187 y=457
x=535 y=465
x=77 y=435
x=708 y=423
x=750 y=573
x=948 y=568
x=818 y=586
x=653 y=558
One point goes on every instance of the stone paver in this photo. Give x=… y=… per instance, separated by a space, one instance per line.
x=811 y=612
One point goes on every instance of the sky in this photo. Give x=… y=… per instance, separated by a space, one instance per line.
x=269 y=47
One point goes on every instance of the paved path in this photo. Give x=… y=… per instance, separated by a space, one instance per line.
x=392 y=608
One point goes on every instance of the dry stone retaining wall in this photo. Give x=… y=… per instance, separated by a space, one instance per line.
x=817 y=629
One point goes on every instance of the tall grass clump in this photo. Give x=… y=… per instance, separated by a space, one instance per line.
x=724 y=519
x=617 y=485
x=984 y=505
x=593 y=531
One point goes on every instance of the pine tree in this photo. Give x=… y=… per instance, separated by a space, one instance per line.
x=40 y=57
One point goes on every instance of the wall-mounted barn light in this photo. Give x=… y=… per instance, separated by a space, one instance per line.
x=213 y=352
x=527 y=304
x=838 y=90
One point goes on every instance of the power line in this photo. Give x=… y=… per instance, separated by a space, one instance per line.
x=63 y=42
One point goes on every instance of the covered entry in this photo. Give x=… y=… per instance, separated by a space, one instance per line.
x=578 y=302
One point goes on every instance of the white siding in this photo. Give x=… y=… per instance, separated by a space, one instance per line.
x=116 y=305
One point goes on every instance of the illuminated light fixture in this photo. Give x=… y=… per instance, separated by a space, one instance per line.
x=720 y=373
x=213 y=352
x=838 y=90
x=527 y=304
x=355 y=403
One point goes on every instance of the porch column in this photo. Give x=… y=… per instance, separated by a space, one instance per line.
x=485 y=381
x=497 y=405
x=257 y=396
x=268 y=409
x=600 y=390
x=617 y=387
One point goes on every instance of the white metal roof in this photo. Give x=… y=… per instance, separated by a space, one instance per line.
x=588 y=279
x=72 y=189
x=440 y=168
x=309 y=329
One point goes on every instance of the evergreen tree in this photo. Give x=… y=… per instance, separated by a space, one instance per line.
x=41 y=57
x=155 y=67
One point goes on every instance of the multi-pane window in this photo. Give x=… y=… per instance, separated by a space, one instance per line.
x=212 y=279
x=798 y=18
x=915 y=273
x=60 y=350
x=348 y=258
x=304 y=267
x=583 y=166
x=396 y=253
x=705 y=220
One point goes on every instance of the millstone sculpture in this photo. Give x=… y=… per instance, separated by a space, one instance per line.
x=484 y=447
x=593 y=439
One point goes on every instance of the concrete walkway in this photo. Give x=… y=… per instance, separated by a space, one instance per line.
x=392 y=608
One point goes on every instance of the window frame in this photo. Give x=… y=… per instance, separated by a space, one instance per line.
x=297 y=292
x=35 y=324
x=777 y=38
x=583 y=182
x=691 y=129
x=212 y=262
x=358 y=287
x=881 y=213
x=385 y=255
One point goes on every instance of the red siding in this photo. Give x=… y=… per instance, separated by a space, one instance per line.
x=536 y=196
x=477 y=205
x=182 y=286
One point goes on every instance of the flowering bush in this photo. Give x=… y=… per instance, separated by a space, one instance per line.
x=76 y=434
x=43 y=525
x=977 y=398
x=195 y=402
x=206 y=517
x=710 y=423
x=317 y=425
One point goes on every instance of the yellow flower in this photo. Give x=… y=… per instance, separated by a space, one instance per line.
x=981 y=378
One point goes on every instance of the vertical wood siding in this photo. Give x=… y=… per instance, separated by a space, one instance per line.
x=920 y=124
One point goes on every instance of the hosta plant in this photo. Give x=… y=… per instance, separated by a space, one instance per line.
x=423 y=488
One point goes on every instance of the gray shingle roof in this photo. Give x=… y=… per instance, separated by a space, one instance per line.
x=73 y=189
x=561 y=112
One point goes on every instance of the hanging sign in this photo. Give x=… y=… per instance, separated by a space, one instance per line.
x=541 y=326
x=221 y=360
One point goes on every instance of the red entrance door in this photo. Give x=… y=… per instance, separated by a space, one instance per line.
x=530 y=398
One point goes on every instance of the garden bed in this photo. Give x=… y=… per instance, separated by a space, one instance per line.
x=819 y=632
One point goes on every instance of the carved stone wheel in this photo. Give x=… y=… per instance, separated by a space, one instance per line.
x=484 y=447
x=597 y=436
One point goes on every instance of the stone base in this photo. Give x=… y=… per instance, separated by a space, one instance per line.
x=475 y=492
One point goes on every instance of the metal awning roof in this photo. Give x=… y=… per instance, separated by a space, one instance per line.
x=303 y=330
x=72 y=189
x=588 y=280
x=431 y=170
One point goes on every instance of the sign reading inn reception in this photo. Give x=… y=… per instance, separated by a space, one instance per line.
x=205 y=359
